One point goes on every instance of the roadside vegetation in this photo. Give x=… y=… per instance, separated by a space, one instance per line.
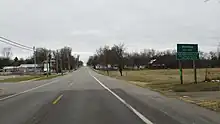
x=48 y=77
x=158 y=70
x=50 y=61
x=29 y=77
x=20 y=78
x=167 y=80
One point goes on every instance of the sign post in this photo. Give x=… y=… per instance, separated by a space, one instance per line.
x=181 y=71
x=194 y=68
x=187 y=52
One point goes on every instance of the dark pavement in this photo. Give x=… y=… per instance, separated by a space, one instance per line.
x=78 y=98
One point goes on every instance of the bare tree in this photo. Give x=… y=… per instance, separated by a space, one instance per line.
x=41 y=54
x=65 y=54
x=106 y=52
x=6 y=52
x=213 y=55
x=119 y=51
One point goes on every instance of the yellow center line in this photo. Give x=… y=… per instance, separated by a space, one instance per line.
x=57 y=100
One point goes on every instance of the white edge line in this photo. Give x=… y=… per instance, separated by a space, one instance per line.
x=27 y=90
x=144 y=119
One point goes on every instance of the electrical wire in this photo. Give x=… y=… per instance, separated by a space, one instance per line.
x=15 y=42
x=16 y=45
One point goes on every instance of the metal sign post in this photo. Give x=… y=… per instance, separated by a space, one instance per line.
x=181 y=71
x=194 y=68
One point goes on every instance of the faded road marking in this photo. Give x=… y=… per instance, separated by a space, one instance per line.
x=144 y=119
x=57 y=99
x=70 y=84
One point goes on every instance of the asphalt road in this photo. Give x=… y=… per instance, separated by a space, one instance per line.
x=85 y=97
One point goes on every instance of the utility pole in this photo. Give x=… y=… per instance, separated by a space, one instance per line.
x=49 y=63
x=77 y=63
x=35 y=62
x=218 y=51
x=61 y=64
x=194 y=68
x=206 y=74
x=68 y=57
x=57 y=61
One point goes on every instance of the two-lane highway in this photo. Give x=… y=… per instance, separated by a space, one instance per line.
x=85 y=97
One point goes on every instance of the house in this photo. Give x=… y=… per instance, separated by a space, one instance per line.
x=10 y=69
x=156 y=64
x=29 y=68
x=22 y=69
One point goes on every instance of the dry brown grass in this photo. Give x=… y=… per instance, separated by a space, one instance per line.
x=169 y=79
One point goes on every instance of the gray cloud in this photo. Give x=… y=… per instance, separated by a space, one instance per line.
x=85 y=25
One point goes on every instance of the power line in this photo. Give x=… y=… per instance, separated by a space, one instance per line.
x=21 y=46
x=15 y=43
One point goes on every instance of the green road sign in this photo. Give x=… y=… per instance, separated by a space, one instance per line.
x=187 y=52
x=187 y=47
x=187 y=56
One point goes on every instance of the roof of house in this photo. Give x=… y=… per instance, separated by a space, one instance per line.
x=152 y=61
x=10 y=67
x=28 y=65
x=52 y=60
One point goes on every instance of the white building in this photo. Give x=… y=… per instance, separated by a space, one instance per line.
x=29 y=68
x=10 y=69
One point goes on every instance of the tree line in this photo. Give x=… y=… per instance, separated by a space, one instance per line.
x=63 y=58
x=116 y=57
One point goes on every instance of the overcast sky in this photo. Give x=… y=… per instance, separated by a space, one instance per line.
x=85 y=25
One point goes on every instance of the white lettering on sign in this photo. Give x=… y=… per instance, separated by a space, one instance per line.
x=189 y=47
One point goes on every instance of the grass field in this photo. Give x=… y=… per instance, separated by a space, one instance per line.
x=49 y=77
x=19 y=79
x=29 y=77
x=169 y=79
